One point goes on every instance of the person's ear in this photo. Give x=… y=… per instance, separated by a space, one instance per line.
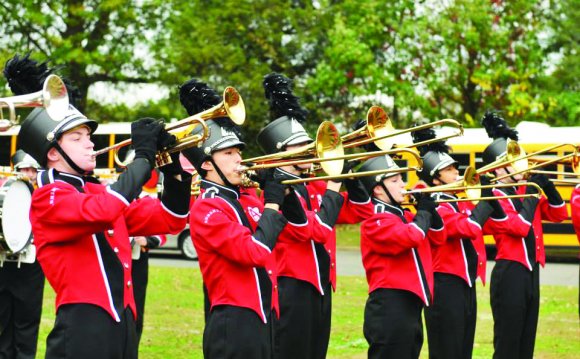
x=378 y=190
x=207 y=165
x=52 y=155
x=436 y=182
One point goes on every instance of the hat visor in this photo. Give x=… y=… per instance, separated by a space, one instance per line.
x=74 y=123
x=228 y=143
x=298 y=140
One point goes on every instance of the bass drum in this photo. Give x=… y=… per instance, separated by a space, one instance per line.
x=15 y=202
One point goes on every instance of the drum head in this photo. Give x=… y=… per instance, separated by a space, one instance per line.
x=16 y=226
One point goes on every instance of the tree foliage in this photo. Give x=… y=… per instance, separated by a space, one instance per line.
x=418 y=59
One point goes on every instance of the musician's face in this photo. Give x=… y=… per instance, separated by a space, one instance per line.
x=301 y=168
x=29 y=172
x=448 y=174
x=395 y=185
x=228 y=160
x=506 y=171
x=77 y=144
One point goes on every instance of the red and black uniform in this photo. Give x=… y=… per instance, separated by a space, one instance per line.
x=307 y=267
x=396 y=254
x=457 y=263
x=82 y=231
x=140 y=275
x=234 y=236
x=515 y=284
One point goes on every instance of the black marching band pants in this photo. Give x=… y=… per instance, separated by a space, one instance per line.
x=140 y=275
x=451 y=319
x=515 y=303
x=303 y=330
x=87 y=331
x=21 y=291
x=237 y=333
x=392 y=324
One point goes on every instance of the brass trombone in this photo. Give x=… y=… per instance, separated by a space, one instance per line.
x=53 y=96
x=362 y=157
x=471 y=186
x=523 y=161
x=232 y=106
x=379 y=129
x=327 y=150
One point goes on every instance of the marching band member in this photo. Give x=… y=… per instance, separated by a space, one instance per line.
x=460 y=259
x=234 y=235
x=396 y=254
x=21 y=290
x=82 y=229
x=515 y=279
x=306 y=265
x=575 y=207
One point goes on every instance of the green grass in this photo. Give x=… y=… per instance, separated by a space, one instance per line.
x=174 y=319
x=348 y=236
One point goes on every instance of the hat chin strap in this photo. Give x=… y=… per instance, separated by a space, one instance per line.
x=227 y=183
x=393 y=202
x=70 y=162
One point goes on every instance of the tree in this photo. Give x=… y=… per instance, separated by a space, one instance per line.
x=94 y=40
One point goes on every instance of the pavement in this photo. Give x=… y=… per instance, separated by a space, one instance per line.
x=349 y=263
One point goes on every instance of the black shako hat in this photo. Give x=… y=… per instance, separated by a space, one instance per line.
x=39 y=131
x=376 y=164
x=197 y=96
x=497 y=129
x=435 y=155
x=21 y=159
x=286 y=114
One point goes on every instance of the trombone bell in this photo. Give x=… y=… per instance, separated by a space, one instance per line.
x=53 y=96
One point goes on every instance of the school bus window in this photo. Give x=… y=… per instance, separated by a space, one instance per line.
x=463 y=159
x=101 y=141
x=478 y=160
x=5 y=142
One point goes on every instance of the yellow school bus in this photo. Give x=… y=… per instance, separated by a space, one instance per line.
x=560 y=238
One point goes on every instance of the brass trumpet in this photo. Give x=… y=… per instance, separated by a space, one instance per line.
x=53 y=96
x=232 y=106
x=471 y=186
x=379 y=130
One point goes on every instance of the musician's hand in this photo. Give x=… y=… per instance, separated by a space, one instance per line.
x=140 y=240
x=426 y=203
x=174 y=168
x=165 y=139
x=347 y=168
x=144 y=135
x=485 y=192
x=274 y=191
x=541 y=180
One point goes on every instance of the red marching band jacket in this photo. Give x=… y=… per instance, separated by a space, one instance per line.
x=575 y=206
x=450 y=257
x=296 y=255
x=82 y=238
x=511 y=244
x=229 y=255
x=390 y=248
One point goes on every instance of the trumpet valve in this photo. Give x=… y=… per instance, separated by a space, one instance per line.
x=162 y=159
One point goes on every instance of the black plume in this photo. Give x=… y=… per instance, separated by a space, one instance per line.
x=278 y=90
x=197 y=96
x=428 y=134
x=497 y=127
x=369 y=147
x=25 y=75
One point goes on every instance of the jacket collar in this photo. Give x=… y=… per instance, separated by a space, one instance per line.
x=51 y=175
x=213 y=189
x=382 y=207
